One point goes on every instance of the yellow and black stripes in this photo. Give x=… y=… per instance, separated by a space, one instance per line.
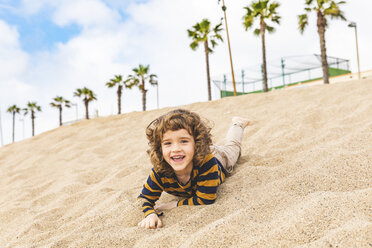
x=201 y=188
x=151 y=192
x=210 y=175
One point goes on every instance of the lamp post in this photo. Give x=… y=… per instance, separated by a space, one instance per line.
x=76 y=105
x=23 y=128
x=228 y=42
x=353 y=25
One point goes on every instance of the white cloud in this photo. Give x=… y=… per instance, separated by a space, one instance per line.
x=12 y=59
x=85 y=13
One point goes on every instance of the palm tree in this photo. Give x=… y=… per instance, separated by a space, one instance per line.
x=59 y=101
x=118 y=80
x=88 y=97
x=139 y=79
x=264 y=12
x=32 y=107
x=14 y=109
x=323 y=9
x=201 y=32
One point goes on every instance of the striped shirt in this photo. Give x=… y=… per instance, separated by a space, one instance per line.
x=200 y=189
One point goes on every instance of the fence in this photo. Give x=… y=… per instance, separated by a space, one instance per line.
x=281 y=73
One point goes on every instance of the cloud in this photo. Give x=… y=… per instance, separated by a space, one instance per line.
x=12 y=59
x=31 y=7
x=85 y=13
x=13 y=64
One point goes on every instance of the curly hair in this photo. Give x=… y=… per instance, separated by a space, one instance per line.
x=175 y=120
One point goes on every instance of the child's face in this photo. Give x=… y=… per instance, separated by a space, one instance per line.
x=178 y=149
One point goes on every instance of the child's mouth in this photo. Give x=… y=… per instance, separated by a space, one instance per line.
x=177 y=158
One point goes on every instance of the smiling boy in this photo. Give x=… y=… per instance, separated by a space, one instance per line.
x=186 y=164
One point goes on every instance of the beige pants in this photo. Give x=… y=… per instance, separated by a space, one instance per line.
x=229 y=153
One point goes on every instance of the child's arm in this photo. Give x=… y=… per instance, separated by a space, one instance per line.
x=151 y=192
x=166 y=206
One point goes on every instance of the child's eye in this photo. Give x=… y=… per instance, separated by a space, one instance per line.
x=184 y=141
x=166 y=143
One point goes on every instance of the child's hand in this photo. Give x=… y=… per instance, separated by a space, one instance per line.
x=151 y=221
x=166 y=206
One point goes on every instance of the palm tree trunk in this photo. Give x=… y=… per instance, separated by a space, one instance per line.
x=206 y=49
x=264 y=72
x=86 y=109
x=143 y=95
x=13 y=125
x=323 y=52
x=32 y=121
x=60 y=115
x=119 y=99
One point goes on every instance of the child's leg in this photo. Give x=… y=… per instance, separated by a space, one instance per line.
x=229 y=153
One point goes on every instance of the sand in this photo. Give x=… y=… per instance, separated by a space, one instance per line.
x=304 y=178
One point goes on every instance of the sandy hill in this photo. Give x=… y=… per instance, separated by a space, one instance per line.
x=304 y=178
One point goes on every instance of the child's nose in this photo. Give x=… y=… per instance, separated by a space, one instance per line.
x=176 y=147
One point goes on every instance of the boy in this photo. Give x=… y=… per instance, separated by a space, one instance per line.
x=186 y=164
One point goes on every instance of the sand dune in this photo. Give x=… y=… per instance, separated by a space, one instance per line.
x=304 y=178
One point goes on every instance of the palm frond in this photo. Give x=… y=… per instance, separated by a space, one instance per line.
x=334 y=11
x=249 y=10
x=194 y=45
x=216 y=34
x=248 y=18
x=58 y=101
x=78 y=92
x=191 y=33
x=110 y=84
x=218 y=28
x=87 y=93
x=132 y=80
x=302 y=22
x=199 y=32
x=276 y=19
x=141 y=71
x=205 y=26
x=213 y=43
x=129 y=82
x=261 y=10
x=14 y=109
x=31 y=106
x=118 y=78
x=257 y=32
x=273 y=6
x=270 y=29
x=217 y=37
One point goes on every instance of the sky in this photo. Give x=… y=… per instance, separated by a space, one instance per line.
x=51 y=48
